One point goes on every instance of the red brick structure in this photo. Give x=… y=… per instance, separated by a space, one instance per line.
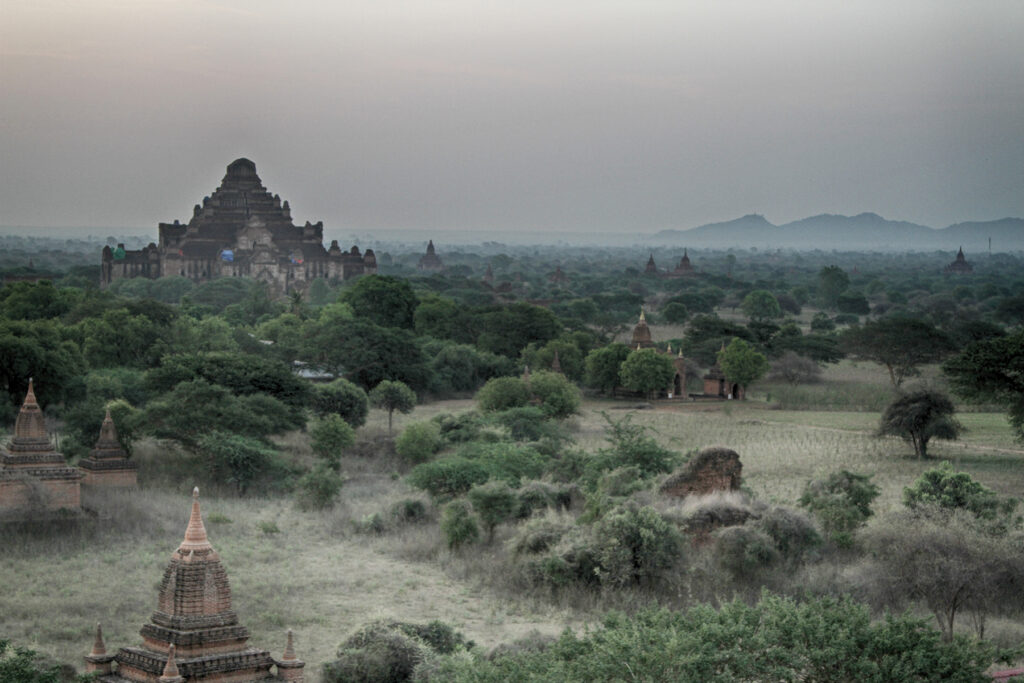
x=651 y=268
x=194 y=635
x=34 y=476
x=716 y=385
x=712 y=469
x=641 y=338
x=960 y=265
x=430 y=260
x=684 y=269
x=108 y=464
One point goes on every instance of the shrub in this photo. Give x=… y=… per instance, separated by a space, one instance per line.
x=841 y=503
x=409 y=511
x=743 y=550
x=342 y=398
x=235 y=459
x=459 y=428
x=536 y=495
x=459 y=525
x=527 y=423
x=372 y=523
x=495 y=503
x=635 y=545
x=630 y=444
x=502 y=393
x=795 y=369
x=559 y=398
x=448 y=477
x=792 y=533
x=506 y=461
x=376 y=654
x=418 y=442
x=319 y=488
x=540 y=534
x=951 y=490
x=328 y=437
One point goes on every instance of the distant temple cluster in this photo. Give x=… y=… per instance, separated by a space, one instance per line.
x=36 y=478
x=241 y=230
x=683 y=269
x=194 y=634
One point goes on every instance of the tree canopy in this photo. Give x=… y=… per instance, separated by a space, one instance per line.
x=992 y=371
x=902 y=345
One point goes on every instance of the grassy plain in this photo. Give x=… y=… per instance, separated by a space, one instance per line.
x=317 y=575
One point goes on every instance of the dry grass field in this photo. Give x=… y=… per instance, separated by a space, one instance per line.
x=314 y=573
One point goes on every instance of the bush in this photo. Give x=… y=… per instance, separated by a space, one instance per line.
x=448 y=477
x=743 y=550
x=459 y=525
x=328 y=437
x=792 y=533
x=540 y=534
x=635 y=545
x=506 y=461
x=559 y=398
x=502 y=393
x=418 y=442
x=951 y=490
x=376 y=654
x=841 y=503
x=319 y=488
x=235 y=459
x=526 y=423
x=409 y=511
x=630 y=445
x=795 y=369
x=459 y=428
x=342 y=398
x=495 y=503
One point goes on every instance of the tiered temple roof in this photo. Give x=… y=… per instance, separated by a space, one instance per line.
x=430 y=260
x=960 y=265
x=108 y=464
x=32 y=472
x=194 y=634
x=641 y=334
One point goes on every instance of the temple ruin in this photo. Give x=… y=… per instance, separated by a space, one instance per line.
x=33 y=475
x=241 y=230
x=194 y=634
x=430 y=260
x=108 y=463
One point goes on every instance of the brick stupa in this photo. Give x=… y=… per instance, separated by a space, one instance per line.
x=33 y=475
x=108 y=464
x=194 y=635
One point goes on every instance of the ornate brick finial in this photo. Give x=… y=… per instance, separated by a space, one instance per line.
x=99 y=648
x=643 y=319
x=171 y=674
x=289 y=648
x=30 y=397
x=670 y=348
x=195 y=534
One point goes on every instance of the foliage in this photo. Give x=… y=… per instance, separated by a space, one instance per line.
x=795 y=369
x=791 y=532
x=920 y=416
x=828 y=640
x=832 y=281
x=743 y=550
x=234 y=459
x=507 y=330
x=947 y=561
x=458 y=524
x=341 y=397
x=635 y=546
x=391 y=396
x=570 y=357
x=559 y=398
x=528 y=423
x=448 y=477
x=992 y=371
x=707 y=333
x=22 y=665
x=319 y=488
x=365 y=353
x=40 y=350
x=418 y=442
x=945 y=488
x=675 y=313
x=457 y=368
x=760 y=305
x=502 y=393
x=328 y=437
x=647 y=371
x=390 y=652
x=602 y=366
x=631 y=445
x=841 y=502
x=495 y=503
x=742 y=363
x=383 y=300
x=509 y=462
x=902 y=345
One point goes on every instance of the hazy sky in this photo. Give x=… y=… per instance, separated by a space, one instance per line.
x=619 y=116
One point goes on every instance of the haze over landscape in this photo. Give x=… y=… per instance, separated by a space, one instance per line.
x=572 y=117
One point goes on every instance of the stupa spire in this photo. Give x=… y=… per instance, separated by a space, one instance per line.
x=289 y=648
x=99 y=648
x=195 y=534
x=170 y=674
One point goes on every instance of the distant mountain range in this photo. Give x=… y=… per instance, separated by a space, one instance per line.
x=866 y=231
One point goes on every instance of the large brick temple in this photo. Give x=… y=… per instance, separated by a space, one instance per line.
x=33 y=475
x=194 y=634
x=241 y=230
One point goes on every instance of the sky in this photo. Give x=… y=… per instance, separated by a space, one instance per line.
x=496 y=117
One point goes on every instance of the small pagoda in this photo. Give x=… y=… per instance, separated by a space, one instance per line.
x=108 y=464
x=641 y=338
x=960 y=265
x=430 y=260
x=33 y=475
x=194 y=634
x=684 y=269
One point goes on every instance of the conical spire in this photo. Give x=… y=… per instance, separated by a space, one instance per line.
x=108 y=433
x=30 y=397
x=30 y=424
x=195 y=534
x=99 y=648
x=289 y=648
x=171 y=674
x=643 y=318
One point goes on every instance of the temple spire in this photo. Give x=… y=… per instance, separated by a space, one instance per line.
x=289 y=648
x=195 y=534
x=30 y=396
x=99 y=648
x=171 y=674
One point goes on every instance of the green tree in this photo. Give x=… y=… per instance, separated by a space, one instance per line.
x=675 y=312
x=418 y=442
x=742 y=363
x=365 y=353
x=832 y=281
x=459 y=525
x=233 y=458
x=841 y=502
x=383 y=300
x=603 y=366
x=329 y=436
x=951 y=490
x=343 y=398
x=900 y=344
x=761 y=305
x=502 y=393
x=448 y=477
x=992 y=371
x=559 y=398
x=508 y=329
x=495 y=503
x=635 y=545
x=647 y=371
x=22 y=665
x=920 y=416
x=319 y=488
x=392 y=396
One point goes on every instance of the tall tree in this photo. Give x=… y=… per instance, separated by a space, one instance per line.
x=832 y=281
x=920 y=416
x=383 y=300
x=392 y=396
x=742 y=363
x=761 y=305
x=647 y=371
x=603 y=366
x=902 y=345
x=992 y=371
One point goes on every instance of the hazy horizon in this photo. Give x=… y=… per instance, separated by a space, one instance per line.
x=598 y=117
